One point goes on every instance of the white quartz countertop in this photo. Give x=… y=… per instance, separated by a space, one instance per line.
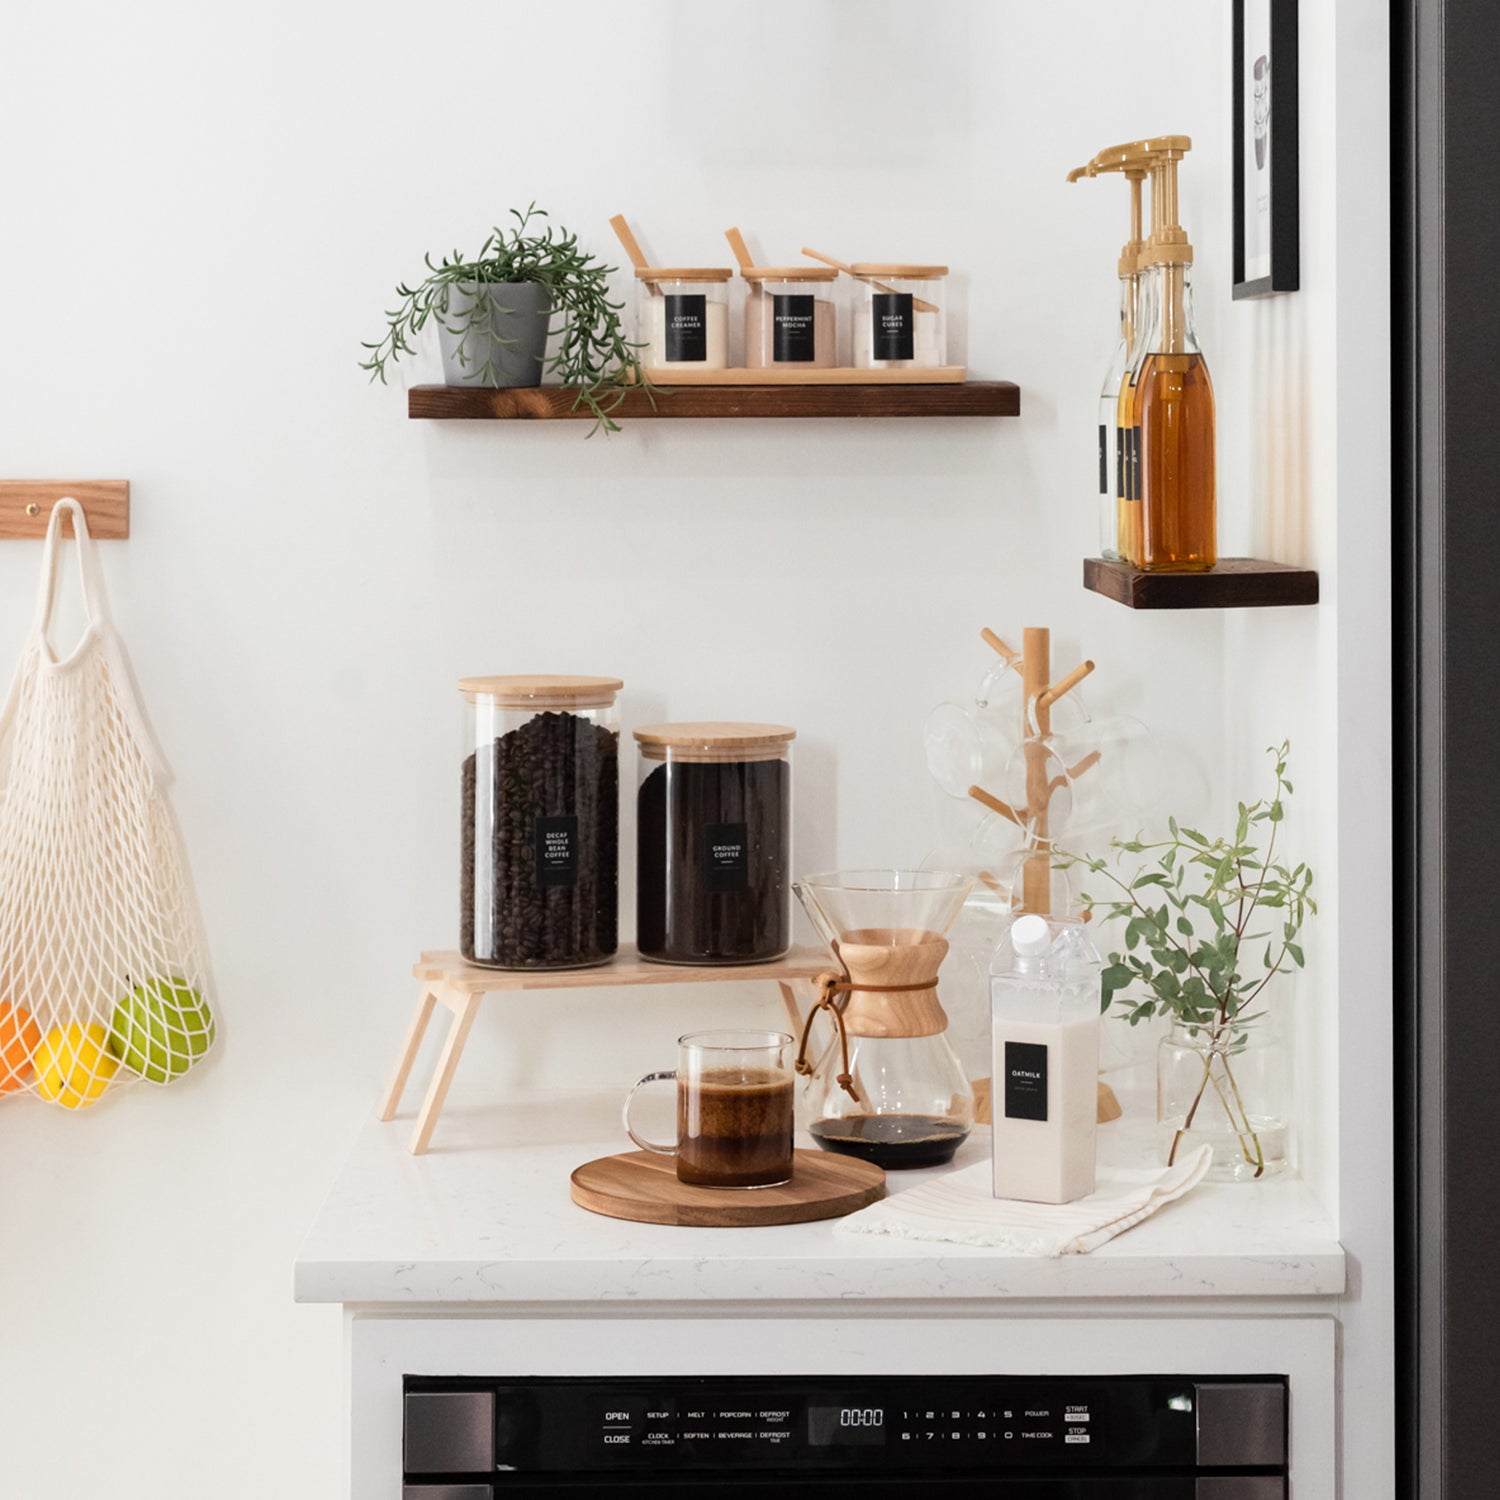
x=485 y=1217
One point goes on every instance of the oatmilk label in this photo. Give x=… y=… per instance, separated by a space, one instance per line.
x=687 y=328
x=891 y=329
x=792 y=328
x=726 y=846
x=1025 y=1081
x=557 y=851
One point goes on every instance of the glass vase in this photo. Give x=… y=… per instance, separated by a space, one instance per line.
x=1223 y=1084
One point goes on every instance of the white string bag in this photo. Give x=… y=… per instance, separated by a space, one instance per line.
x=104 y=972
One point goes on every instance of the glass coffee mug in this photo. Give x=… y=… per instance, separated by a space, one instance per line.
x=734 y=1109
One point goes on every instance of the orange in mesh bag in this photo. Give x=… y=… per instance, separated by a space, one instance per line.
x=104 y=972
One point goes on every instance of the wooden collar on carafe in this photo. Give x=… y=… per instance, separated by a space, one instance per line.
x=892 y=987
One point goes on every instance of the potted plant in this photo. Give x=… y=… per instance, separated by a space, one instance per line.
x=1209 y=924
x=494 y=315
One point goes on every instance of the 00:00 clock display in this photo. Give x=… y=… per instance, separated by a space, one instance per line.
x=829 y=1425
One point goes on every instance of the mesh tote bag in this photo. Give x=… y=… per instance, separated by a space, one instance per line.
x=104 y=973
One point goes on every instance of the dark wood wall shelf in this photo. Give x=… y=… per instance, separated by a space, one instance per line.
x=1234 y=583
x=971 y=398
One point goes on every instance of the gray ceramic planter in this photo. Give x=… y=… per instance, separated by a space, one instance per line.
x=519 y=312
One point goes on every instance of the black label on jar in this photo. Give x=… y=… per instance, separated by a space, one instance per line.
x=1025 y=1081
x=728 y=863
x=1103 y=459
x=557 y=851
x=687 y=328
x=792 y=336
x=891 y=327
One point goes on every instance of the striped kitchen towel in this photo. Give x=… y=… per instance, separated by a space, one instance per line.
x=961 y=1209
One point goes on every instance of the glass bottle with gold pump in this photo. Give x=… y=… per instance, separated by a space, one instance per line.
x=1172 y=399
x=1115 y=524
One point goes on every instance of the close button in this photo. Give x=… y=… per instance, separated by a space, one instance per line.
x=450 y=1432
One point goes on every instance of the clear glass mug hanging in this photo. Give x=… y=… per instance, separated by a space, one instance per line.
x=888 y=1087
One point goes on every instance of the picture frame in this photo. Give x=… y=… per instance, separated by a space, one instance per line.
x=1266 y=233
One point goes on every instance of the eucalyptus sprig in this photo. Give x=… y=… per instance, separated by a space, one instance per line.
x=593 y=353
x=1191 y=955
x=1196 y=955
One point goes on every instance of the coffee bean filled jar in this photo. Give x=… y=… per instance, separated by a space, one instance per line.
x=713 y=842
x=539 y=886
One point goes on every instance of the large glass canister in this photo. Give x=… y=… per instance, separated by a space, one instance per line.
x=900 y=318
x=791 y=317
x=539 y=886
x=713 y=843
x=682 y=317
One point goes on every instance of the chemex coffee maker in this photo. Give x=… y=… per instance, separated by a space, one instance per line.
x=888 y=1086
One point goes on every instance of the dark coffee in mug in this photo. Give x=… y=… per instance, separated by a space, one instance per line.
x=734 y=1128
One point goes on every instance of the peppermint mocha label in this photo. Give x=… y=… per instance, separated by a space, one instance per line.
x=687 y=328
x=726 y=846
x=1025 y=1081
x=557 y=851
x=891 y=328
x=792 y=329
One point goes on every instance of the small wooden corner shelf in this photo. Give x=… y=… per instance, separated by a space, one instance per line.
x=1233 y=583
x=445 y=979
x=971 y=398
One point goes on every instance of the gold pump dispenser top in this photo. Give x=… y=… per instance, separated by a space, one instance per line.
x=1134 y=161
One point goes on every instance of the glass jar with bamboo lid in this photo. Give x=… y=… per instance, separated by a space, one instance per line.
x=714 y=842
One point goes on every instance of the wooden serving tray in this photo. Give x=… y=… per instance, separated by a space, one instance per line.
x=642 y=1186
x=771 y=375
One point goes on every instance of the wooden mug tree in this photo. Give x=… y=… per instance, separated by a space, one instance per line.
x=1039 y=694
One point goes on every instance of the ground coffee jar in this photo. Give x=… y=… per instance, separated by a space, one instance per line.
x=539 y=883
x=713 y=842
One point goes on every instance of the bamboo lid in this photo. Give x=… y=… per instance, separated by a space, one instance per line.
x=714 y=741
x=557 y=690
x=682 y=273
x=789 y=273
x=866 y=268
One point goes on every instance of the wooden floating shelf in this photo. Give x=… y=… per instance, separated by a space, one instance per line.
x=972 y=398
x=1233 y=583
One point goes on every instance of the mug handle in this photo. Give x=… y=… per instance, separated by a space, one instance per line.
x=645 y=1145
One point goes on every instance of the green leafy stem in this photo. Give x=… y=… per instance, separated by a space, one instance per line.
x=1186 y=957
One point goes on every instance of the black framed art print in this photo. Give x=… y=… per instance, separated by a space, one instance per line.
x=1265 y=147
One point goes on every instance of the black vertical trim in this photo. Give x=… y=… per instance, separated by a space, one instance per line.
x=1446 y=396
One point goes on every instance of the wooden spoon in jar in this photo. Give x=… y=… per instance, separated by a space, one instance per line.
x=632 y=249
x=917 y=302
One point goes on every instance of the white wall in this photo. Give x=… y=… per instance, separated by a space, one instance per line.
x=208 y=215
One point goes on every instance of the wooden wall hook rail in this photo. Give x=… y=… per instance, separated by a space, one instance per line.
x=26 y=507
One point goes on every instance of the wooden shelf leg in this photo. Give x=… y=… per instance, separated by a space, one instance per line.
x=464 y=1008
x=391 y=1099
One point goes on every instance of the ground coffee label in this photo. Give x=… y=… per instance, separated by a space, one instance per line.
x=892 y=332
x=556 y=851
x=792 y=338
x=1025 y=1081
x=687 y=328
x=727 y=847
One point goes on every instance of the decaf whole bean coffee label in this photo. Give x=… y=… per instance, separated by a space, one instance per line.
x=687 y=328
x=792 y=337
x=557 y=851
x=727 y=854
x=1025 y=1081
x=892 y=332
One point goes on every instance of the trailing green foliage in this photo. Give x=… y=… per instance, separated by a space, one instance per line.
x=1196 y=912
x=594 y=354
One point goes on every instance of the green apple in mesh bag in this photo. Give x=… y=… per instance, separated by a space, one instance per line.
x=160 y=1029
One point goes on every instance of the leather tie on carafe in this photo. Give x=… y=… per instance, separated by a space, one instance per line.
x=830 y=986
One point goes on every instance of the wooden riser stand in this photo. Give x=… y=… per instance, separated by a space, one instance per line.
x=445 y=979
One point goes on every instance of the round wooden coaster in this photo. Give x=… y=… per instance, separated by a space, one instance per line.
x=638 y=1185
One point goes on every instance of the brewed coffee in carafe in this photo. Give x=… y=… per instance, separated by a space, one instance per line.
x=888 y=1087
